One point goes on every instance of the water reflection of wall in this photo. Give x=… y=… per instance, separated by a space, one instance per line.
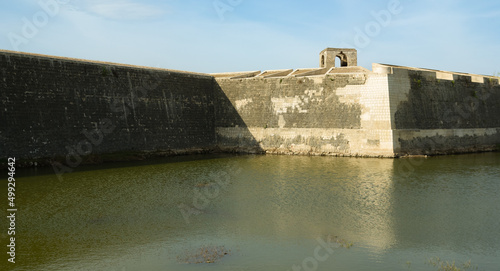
x=449 y=202
x=316 y=196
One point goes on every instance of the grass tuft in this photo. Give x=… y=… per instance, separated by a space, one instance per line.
x=104 y=71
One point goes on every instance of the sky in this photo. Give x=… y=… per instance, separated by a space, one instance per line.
x=247 y=35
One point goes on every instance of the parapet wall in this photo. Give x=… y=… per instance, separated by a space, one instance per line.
x=59 y=108
x=436 y=112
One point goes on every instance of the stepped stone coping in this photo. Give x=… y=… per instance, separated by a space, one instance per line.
x=299 y=71
x=442 y=75
x=246 y=75
x=321 y=71
x=309 y=72
x=235 y=75
x=353 y=69
x=275 y=73
x=60 y=58
x=477 y=79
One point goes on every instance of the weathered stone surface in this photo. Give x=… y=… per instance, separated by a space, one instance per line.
x=440 y=112
x=66 y=109
x=334 y=114
x=293 y=102
x=347 y=57
x=448 y=104
x=54 y=107
x=393 y=111
x=449 y=141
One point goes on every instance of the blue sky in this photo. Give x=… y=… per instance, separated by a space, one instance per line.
x=241 y=35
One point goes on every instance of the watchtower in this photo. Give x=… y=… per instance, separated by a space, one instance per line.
x=348 y=57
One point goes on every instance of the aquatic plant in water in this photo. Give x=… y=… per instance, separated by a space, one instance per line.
x=451 y=266
x=204 y=254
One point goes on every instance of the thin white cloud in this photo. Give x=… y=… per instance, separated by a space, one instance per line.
x=124 y=10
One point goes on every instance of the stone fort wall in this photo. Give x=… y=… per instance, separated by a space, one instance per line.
x=334 y=114
x=349 y=111
x=69 y=110
x=436 y=112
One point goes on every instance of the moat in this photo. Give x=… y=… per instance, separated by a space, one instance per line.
x=262 y=213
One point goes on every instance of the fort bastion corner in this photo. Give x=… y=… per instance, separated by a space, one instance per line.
x=55 y=108
x=347 y=110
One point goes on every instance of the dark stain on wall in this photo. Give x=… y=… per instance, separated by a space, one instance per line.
x=320 y=110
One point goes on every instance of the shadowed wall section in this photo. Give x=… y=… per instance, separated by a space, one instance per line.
x=438 y=112
x=67 y=109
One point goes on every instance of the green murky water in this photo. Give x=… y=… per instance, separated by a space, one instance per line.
x=265 y=212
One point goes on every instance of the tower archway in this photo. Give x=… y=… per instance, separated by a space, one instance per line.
x=345 y=57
